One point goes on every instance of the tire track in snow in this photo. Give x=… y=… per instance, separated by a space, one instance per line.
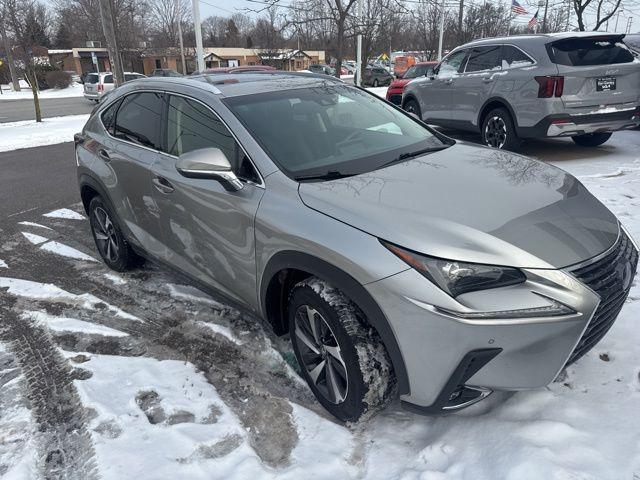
x=64 y=446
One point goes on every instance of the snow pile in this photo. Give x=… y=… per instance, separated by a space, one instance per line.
x=28 y=133
x=74 y=90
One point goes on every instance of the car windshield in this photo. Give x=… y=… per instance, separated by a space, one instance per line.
x=330 y=129
x=417 y=71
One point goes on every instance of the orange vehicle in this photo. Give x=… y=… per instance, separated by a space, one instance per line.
x=402 y=64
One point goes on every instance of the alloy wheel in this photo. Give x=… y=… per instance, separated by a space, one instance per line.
x=321 y=355
x=495 y=132
x=106 y=235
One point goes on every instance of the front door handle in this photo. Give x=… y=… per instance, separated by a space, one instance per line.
x=487 y=79
x=162 y=185
x=104 y=155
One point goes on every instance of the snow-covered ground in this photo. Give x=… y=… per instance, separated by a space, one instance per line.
x=74 y=90
x=29 y=133
x=170 y=383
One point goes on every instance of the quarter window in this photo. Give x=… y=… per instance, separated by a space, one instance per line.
x=513 y=57
x=484 y=58
x=192 y=126
x=109 y=116
x=138 y=119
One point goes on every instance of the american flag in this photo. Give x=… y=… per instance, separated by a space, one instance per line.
x=517 y=8
x=534 y=20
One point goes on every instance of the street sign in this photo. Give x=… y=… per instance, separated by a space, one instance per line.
x=94 y=58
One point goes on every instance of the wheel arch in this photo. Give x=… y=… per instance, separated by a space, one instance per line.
x=286 y=268
x=496 y=102
x=89 y=188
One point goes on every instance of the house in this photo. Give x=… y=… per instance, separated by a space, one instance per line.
x=280 y=58
x=80 y=60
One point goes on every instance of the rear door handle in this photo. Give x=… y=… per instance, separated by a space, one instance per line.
x=162 y=184
x=104 y=155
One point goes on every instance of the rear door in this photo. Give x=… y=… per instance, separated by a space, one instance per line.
x=475 y=85
x=599 y=72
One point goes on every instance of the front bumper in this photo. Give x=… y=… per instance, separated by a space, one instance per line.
x=394 y=95
x=512 y=354
x=565 y=125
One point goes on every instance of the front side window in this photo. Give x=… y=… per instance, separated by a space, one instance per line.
x=329 y=128
x=484 y=58
x=513 y=57
x=450 y=66
x=580 y=52
x=192 y=126
x=138 y=119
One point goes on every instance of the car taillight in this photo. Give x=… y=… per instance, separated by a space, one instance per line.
x=100 y=87
x=550 y=86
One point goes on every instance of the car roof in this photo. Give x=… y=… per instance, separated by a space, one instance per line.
x=541 y=38
x=248 y=83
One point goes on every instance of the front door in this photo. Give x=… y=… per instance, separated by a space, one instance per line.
x=208 y=231
x=436 y=92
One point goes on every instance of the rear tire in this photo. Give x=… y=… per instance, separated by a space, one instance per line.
x=341 y=357
x=412 y=106
x=591 y=139
x=114 y=249
x=375 y=82
x=498 y=130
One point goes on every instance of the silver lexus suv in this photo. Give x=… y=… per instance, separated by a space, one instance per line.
x=398 y=261
x=583 y=85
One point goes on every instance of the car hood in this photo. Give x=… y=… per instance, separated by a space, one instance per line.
x=473 y=204
x=399 y=82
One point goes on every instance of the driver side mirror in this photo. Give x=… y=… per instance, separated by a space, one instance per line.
x=209 y=163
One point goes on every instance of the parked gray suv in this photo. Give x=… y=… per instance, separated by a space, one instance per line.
x=583 y=85
x=399 y=261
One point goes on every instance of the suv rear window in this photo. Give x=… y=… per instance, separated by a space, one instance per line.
x=579 y=52
x=92 y=78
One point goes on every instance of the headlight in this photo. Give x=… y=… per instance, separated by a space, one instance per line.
x=457 y=278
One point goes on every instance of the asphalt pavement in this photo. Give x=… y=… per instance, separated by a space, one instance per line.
x=15 y=110
x=34 y=179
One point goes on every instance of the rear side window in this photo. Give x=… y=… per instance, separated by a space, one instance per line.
x=578 y=52
x=108 y=79
x=128 y=77
x=138 y=119
x=485 y=58
x=513 y=57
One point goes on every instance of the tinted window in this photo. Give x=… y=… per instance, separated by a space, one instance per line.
x=128 y=77
x=192 y=126
x=418 y=71
x=514 y=57
x=589 y=51
x=109 y=116
x=310 y=131
x=485 y=58
x=108 y=79
x=451 y=65
x=138 y=119
x=92 y=78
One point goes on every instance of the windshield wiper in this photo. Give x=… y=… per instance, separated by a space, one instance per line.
x=416 y=153
x=330 y=175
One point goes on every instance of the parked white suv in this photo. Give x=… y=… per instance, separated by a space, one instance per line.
x=97 y=84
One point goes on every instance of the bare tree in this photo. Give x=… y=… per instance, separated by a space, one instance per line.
x=6 y=44
x=601 y=10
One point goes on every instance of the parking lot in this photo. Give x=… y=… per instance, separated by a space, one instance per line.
x=205 y=391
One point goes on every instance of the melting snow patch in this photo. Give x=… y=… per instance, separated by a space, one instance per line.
x=64 y=213
x=115 y=279
x=65 y=324
x=222 y=330
x=192 y=294
x=31 y=224
x=52 y=293
x=33 y=238
x=3 y=264
x=66 y=251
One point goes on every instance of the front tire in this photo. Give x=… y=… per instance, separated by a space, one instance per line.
x=591 y=139
x=498 y=130
x=375 y=82
x=114 y=249
x=341 y=357
x=411 y=106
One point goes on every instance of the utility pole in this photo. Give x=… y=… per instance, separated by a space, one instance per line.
x=544 y=19
x=460 y=15
x=108 y=27
x=629 y=23
x=359 y=46
x=179 y=20
x=441 y=33
x=10 y=60
x=198 y=31
x=617 y=18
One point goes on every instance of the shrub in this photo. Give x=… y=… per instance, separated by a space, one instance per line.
x=58 y=79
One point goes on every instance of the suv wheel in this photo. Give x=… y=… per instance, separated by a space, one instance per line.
x=375 y=82
x=112 y=246
x=591 y=139
x=411 y=106
x=498 y=130
x=342 y=358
